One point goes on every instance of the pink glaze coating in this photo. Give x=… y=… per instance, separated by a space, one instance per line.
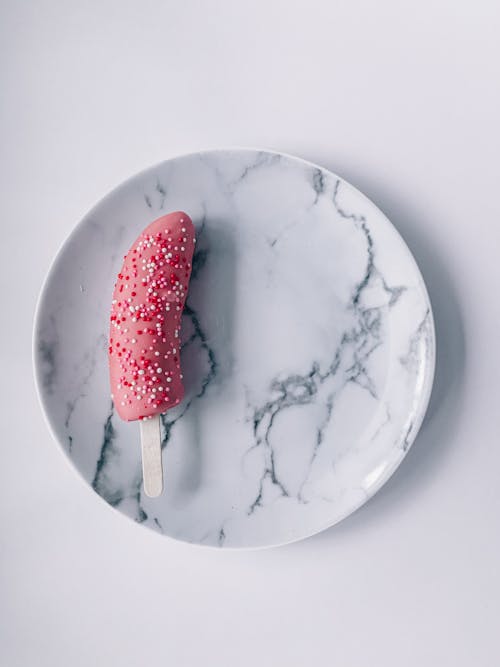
x=144 y=336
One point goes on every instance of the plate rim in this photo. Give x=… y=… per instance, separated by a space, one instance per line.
x=423 y=402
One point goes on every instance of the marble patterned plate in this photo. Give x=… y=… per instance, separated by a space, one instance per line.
x=308 y=350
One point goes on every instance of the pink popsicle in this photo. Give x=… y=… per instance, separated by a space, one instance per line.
x=148 y=299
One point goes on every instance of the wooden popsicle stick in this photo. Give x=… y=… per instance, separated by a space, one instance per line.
x=152 y=471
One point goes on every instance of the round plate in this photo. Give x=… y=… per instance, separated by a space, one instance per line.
x=308 y=350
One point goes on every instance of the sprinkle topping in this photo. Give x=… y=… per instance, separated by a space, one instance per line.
x=146 y=309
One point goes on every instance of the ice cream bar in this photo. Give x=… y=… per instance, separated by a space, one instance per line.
x=144 y=337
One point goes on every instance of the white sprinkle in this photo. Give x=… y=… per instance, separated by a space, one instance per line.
x=157 y=354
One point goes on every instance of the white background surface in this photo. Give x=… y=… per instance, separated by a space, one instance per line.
x=403 y=100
